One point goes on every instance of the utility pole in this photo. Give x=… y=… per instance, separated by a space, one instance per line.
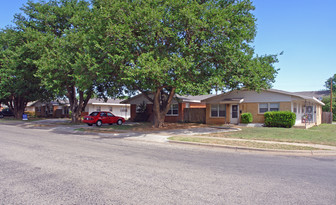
x=331 y=90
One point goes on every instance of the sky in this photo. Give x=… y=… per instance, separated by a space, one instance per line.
x=305 y=30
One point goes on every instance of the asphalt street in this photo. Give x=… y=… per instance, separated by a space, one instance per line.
x=41 y=166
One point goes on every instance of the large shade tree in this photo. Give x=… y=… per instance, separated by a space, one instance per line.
x=183 y=47
x=67 y=66
x=18 y=83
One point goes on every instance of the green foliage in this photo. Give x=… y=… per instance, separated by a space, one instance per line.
x=68 y=65
x=326 y=107
x=327 y=83
x=280 y=119
x=246 y=117
x=18 y=81
x=152 y=46
x=187 y=45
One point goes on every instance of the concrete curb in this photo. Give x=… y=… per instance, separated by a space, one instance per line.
x=273 y=151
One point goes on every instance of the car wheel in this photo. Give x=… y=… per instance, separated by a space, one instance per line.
x=99 y=123
x=1 y=116
x=119 y=122
x=89 y=124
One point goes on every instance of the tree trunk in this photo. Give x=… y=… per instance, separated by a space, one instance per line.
x=77 y=105
x=158 y=118
x=161 y=106
x=17 y=105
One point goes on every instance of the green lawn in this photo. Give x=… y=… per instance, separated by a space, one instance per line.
x=252 y=144
x=322 y=134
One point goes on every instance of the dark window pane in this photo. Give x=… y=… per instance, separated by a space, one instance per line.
x=262 y=110
x=222 y=113
x=214 y=113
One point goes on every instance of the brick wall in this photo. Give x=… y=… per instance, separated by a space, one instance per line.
x=254 y=109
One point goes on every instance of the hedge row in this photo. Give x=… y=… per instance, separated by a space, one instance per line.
x=280 y=119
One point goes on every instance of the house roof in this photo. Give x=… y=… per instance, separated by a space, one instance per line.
x=97 y=101
x=317 y=94
x=31 y=103
x=299 y=95
x=182 y=98
x=55 y=102
x=193 y=98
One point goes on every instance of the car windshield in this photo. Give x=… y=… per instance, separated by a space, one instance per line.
x=94 y=113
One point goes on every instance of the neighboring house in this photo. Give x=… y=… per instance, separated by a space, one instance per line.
x=56 y=109
x=176 y=111
x=30 y=108
x=112 y=105
x=228 y=107
x=317 y=94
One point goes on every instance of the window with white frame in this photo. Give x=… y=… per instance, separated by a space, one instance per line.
x=274 y=106
x=98 y=109
x=265 y=107
x=173 y=111
x=218 y=110
x=294 y=108
x=111 y=109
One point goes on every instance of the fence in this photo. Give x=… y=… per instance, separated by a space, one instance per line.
x=196 y=115
x=327 y=117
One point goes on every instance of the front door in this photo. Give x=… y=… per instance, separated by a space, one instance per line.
x=234 y=114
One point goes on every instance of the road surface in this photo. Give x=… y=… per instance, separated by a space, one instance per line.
x=41 y=166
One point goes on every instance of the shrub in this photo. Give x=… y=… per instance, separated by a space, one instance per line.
x=246 y=117
x=280 y=119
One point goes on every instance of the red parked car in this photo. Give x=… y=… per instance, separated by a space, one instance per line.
x=100 y=118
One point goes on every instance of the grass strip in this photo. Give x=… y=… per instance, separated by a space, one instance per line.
x=249 y=144
x=324 y=134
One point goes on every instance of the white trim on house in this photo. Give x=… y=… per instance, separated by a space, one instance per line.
x=237 y=119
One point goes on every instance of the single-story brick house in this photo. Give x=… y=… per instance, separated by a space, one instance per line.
x=112 y=105
x=176 y=112
x=228 y=107
x=56 y=109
